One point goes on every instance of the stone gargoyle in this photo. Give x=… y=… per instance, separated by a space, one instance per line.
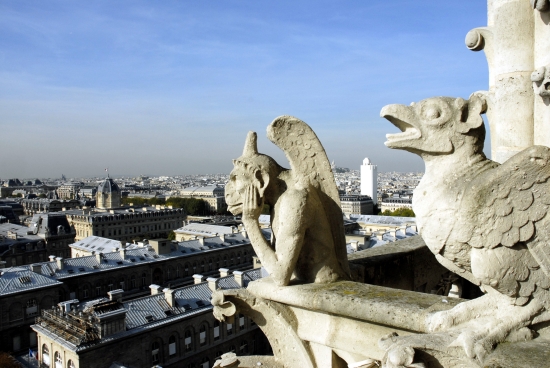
x=308 y=242
x=484 y=221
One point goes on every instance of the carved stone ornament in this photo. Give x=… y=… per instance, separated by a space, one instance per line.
x=541 y=81
x=540 y=5
x=484 y=221
x=308 y=243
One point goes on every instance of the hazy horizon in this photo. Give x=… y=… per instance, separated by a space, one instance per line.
x=173 y=87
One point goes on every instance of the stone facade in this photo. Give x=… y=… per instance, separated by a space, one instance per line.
x=126 y=224
x=360 y=204
x=85 y=278
x=213 y=195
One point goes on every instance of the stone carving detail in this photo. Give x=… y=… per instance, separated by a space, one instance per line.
x=278 y=324
x=484 y=221
x=308 y=241
x=541 y=81
x=540 y=5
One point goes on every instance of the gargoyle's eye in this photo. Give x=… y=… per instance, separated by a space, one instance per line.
x=433 y=113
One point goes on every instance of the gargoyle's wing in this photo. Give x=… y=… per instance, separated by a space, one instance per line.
x=311 y=168
x=508 y=205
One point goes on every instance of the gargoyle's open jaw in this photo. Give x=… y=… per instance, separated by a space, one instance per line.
x=408 y=131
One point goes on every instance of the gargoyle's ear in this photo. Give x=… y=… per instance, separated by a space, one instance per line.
x=471 y=113
x=262 y=181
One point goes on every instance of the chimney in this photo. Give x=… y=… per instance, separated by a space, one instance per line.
x=393 y=233
x=122 y=251
x=234 y=230
x=354 y=246
x=52 y=258
x=224 y=272
x=198 y=278
x=155 y=289
x=201 y=240
x=244 y=233
x=379 y=235
x=222 y=237
x=98 y=257
x=116 y=295
x=414 y=228
x=212 y=283
x=170 y=297
x=36 y=268
x=60 y=263
x=238 y=275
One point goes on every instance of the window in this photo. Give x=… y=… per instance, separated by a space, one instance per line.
x=85 y=291
x=143 y=279
x=216 y=330
x=178 y=271
x=45 y=355
x=172 y=345
x=243 y=349
x=70 y=364
x=155 y=352
x=133 y=282
x=188 y=341
x=241 y=322
x=205 y=362
x=58 y=360
x=97 y=290
x=229 y=329
x=202 y=335
x=32 y=308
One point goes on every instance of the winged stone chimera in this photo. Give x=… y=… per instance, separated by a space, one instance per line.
x=485 y=221
x=308 y=242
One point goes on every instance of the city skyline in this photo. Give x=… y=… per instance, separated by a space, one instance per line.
x=172 y=88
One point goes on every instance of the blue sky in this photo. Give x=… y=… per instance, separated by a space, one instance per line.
x=172 y=87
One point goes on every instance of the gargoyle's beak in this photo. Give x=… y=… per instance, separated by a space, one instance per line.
x=402 y=117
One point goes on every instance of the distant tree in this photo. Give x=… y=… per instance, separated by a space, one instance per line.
x=192 y=206
x=171 y=235
x=403 y=212
x=41 y=195
x=400 y=212
x=266 y=210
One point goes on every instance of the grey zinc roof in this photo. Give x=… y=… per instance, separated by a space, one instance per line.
x=154 y=308
x=145 y=254
x=152 y=311
x=18 y=279
x=204 y=229
x=98 y=244
x=389 y=220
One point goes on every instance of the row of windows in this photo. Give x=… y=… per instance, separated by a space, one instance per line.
x=57 y=359
x=189 y=343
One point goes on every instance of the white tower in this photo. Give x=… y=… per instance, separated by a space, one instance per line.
x=369 y=180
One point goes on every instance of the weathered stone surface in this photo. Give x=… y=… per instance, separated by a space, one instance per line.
x=308 y=242
x=484 y=221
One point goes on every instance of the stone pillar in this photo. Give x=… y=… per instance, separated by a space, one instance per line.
x=542 y=60
x=508 y=42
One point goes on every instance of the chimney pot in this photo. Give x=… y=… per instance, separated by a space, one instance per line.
x=224 y=272
x=155 y=289
x=238 y=275
x=212 y=283
x=198 y=278
x=116 y=295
